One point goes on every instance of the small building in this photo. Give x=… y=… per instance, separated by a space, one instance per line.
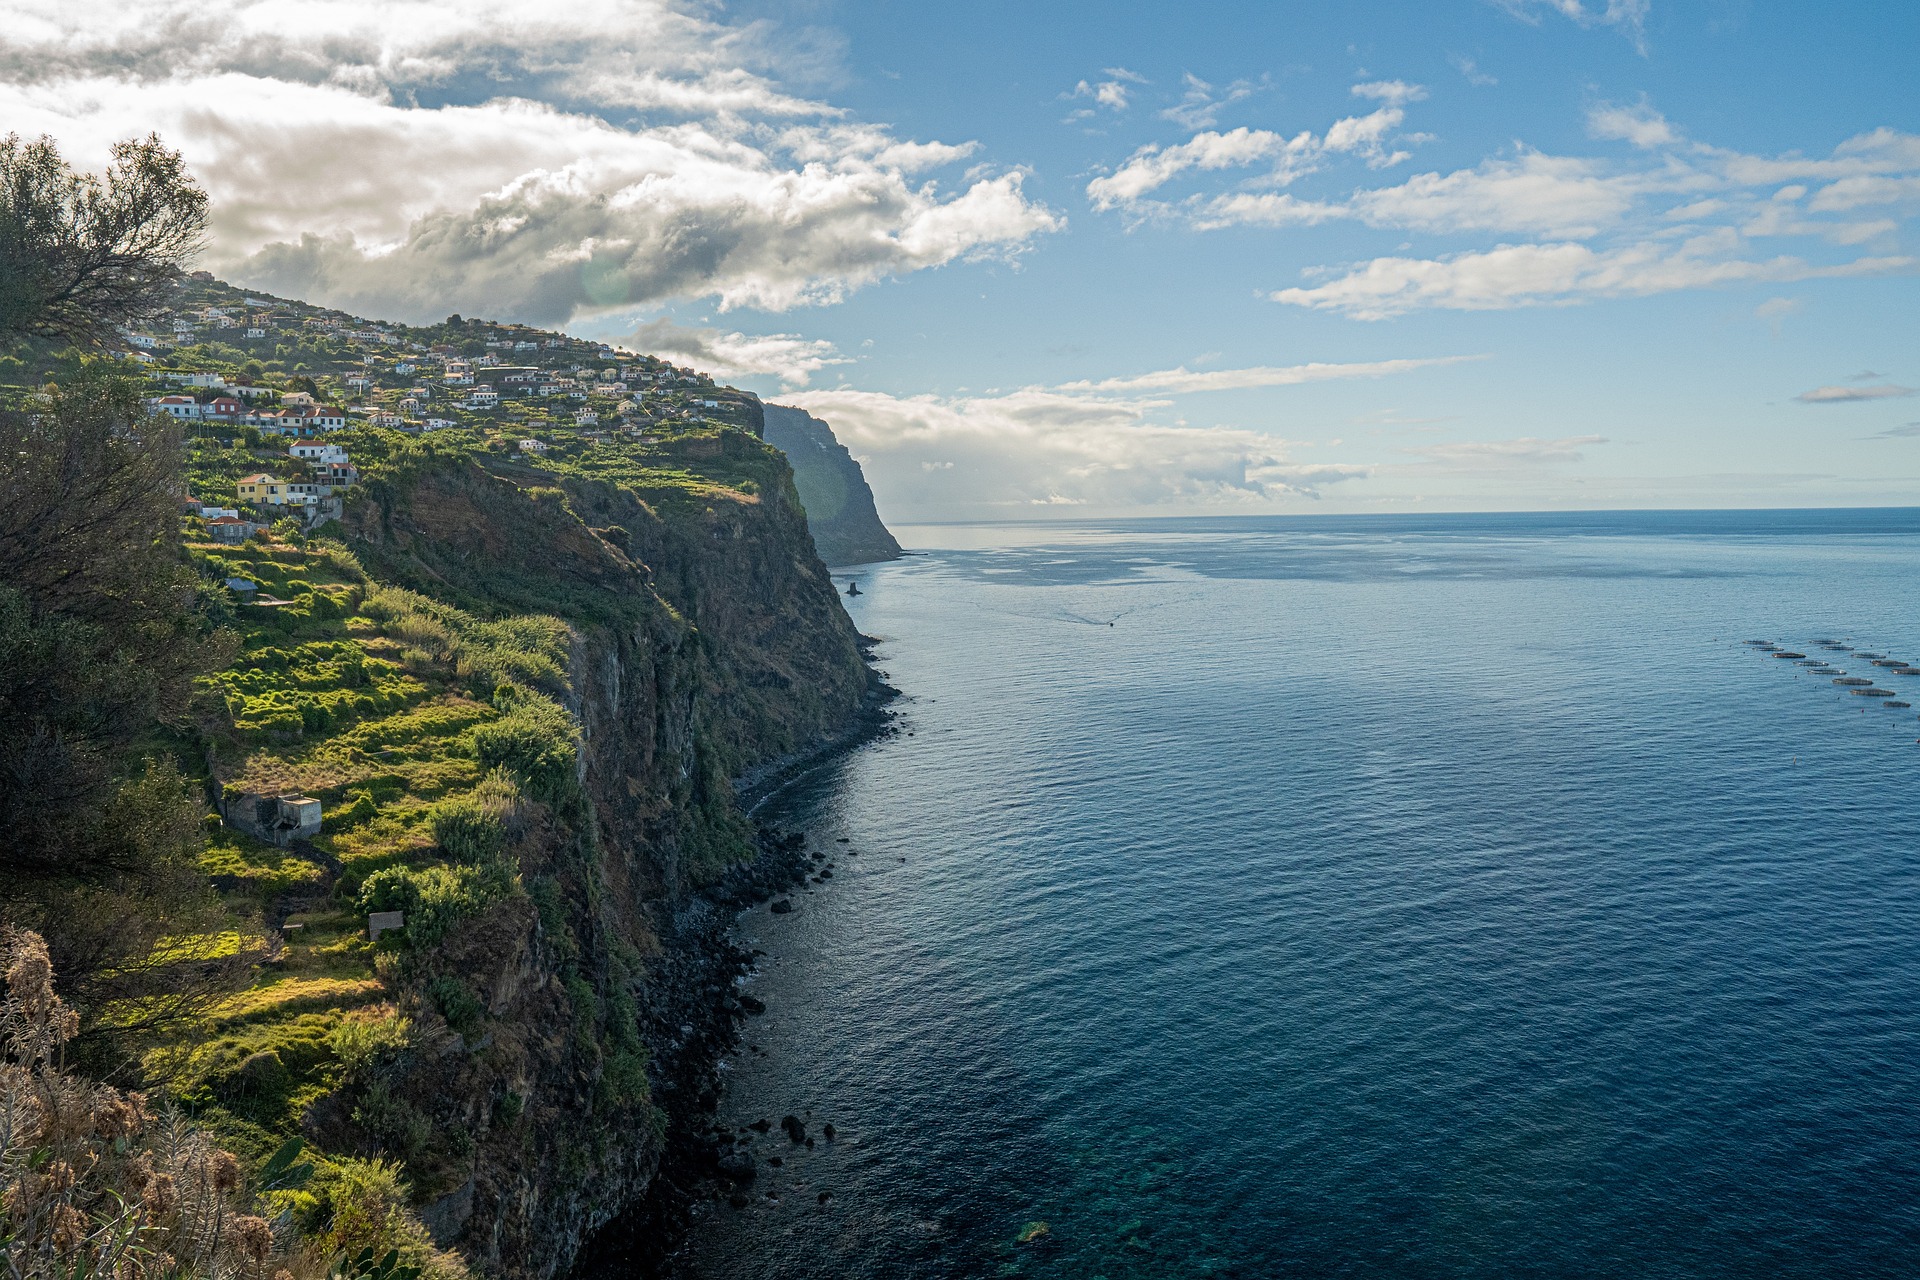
x=176 y=406
x=262 y=488
x=533 y=446
x=278 y=820
x=316 y=451
x=231 y=529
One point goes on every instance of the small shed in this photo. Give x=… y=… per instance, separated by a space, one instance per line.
x=379 y=922
x=278 y=820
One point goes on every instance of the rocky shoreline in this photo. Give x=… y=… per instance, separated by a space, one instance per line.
x=693 y=1010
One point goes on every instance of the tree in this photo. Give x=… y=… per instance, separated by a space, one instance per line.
x=99 y=634
x=82 y=256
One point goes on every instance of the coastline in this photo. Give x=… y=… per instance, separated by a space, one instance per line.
x=694 y=1015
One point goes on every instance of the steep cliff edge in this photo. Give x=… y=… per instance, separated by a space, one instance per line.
x=845 y=524
x=520 y=690
x=706 y=639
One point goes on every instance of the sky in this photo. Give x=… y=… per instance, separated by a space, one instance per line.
x=1087 y=260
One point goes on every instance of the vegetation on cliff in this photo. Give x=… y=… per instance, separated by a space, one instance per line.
x=516 y=682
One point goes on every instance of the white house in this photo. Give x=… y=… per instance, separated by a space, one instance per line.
x=315 y=451
x=183 y=407
x=532 y=446
x=483 y=398
x=586 y=418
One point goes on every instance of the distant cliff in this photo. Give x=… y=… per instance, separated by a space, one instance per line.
x=840 y=513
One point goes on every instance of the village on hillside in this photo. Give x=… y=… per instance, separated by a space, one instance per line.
x=264 y=385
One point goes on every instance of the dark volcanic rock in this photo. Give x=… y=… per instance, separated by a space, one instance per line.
x=796 y=1132
x=781 y=907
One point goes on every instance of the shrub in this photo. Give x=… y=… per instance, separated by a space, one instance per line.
x=435 y=898
x=535 y=741
x=457 y=1003
x=473 y=827
x=362 y=1037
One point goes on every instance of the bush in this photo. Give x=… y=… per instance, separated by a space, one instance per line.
x=535 y=742
x=362 y=1037
x=473 y=827
x=457 y=1003
x=435 y=898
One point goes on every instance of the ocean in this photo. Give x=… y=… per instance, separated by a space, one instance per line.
x=1397 y=897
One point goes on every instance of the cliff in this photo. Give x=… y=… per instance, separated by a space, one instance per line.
x=520 y=691
x=705 y=640
x=845 y=525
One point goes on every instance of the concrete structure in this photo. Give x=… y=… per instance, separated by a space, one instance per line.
x=379 y=922
x=278 y=820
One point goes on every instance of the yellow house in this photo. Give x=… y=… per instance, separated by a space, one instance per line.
x=262 y=488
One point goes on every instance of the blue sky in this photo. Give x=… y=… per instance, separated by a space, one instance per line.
x=1099 y=259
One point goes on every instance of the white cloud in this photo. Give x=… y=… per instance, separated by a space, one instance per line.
x=1394 y=93
x=1548 y=195
x=1470 y=69
x=1629 y=16
x=791 y=358
x=1200 y=104
x=330 y=181
x=1850 y=395
x=1852 y=193
x=1776 y=310
x=1534 y=274
x=1153 y=166
x=1099 y=445
x=940 y=458
x=1113 y=93
x=1182 y=380
x=1640 y=125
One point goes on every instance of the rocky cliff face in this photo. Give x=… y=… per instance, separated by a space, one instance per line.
x=707 y=641
x=840 y=512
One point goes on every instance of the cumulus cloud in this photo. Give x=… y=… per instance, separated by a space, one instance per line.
x=1850 y=395
x=953 y=457
x=1115 y=93
x=409 y=158
x=1533 y=274
x=1153 y=166
x=1640 y=125
x=1550 y=195
x=1394 y=93
x=1647 y=242
x=1098 y=444
x=789 y=357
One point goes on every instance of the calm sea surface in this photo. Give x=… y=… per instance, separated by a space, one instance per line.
x=1399 y=898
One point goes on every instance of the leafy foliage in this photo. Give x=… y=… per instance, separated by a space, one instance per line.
x=81 y=256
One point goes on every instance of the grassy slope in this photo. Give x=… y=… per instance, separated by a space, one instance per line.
x=371 y=698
